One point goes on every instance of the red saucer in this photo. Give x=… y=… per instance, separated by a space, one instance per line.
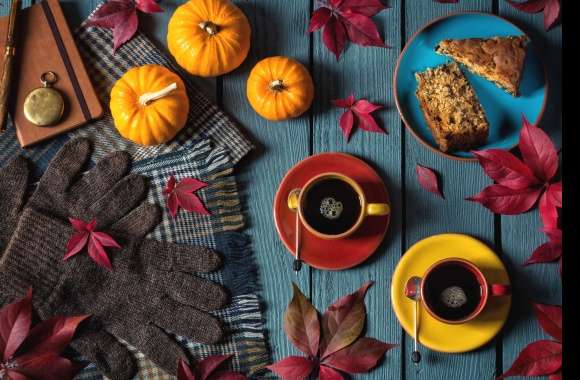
x=332 y=254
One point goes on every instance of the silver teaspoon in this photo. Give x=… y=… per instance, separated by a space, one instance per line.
x=413 y=292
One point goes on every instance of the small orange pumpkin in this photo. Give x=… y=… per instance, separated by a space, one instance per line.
x=208 y=37
x=149 y=105
x=280 y=88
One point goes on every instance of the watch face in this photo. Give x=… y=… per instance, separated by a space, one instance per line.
x=44 y=106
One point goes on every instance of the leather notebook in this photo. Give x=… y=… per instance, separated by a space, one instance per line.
x=44 y=43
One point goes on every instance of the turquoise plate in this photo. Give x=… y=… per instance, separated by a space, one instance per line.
x=503 y=111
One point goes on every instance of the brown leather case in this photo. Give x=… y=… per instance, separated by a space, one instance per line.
x=44 y=43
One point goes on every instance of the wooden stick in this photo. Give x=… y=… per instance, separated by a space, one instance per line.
x=9 y=53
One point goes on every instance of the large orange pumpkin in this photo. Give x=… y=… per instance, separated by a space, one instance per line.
x=280 y=88
x=209 y=37
x=149 y=105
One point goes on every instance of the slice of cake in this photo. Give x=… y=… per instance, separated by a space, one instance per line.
x=451 y=108
x=498 y=59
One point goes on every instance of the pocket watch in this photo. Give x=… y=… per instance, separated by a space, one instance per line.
x=44 y=106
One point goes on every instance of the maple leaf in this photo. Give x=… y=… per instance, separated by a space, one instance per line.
x=333 y=347
x=551 y=9
x=344 y=20
x=428 y=180
x=121 y=17
x=181 y=194
x=206 y=370
x=358 y=112
x=96 y=241
x=27 y=353
x=543 y=357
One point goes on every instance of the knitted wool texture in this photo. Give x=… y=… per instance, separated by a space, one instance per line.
x=151 y=289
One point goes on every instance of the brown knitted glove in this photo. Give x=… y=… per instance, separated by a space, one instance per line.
x=150 y=286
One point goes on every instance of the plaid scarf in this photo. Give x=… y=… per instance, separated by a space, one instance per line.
x=207 y=149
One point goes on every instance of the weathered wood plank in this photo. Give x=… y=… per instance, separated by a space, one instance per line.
x=366 y=73
x=427 y=214
x=520 y=235
x=276 y=30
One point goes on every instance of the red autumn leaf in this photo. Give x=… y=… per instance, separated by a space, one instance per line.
x=181 y=194
x=551 y=9
x=503 y=200
x=361 y=30
x=358 y=112
x=208 y=366
x=327 y=373
x=361 y=356
x=367 y=8
x=96 y=241
x=121 y=17
x=555 y=376
x=538 y=151
x=343 y=321
x=548 y=212
x=505 y=168
x=428 y=180
x=550 y=318
x=540 y=358
x=550 y=251
x=148 y=6
x=347 y=19
x=446 y=1
x=301 y=323
x=228 y=376
x=555 y=194
x=183 y=371
x=35 y=353
x=15 y=320
x=292 y=368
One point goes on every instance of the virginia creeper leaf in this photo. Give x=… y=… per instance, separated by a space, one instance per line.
x=319 y=18
x=343 y=321
x=327 y=373
x=428 y=180
x=357 y=112
x=551 y=9
x=334 y=36
x=540 y=358
x=95 y=241
x=292 y=368
x=548 y=212
x=550 y=318
x=208 y=365
x=182 y=194
x=361 y=356
x=148 y=6
x=505 y=168
x=361 y=30
x=367 y=8
x=503 y=200
x=183 y=371
x=538 y=151
x=52 y=336
x=15 y=320
x=301 y=323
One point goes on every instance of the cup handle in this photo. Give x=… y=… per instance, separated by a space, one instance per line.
x=498 y=290
x=378 y=209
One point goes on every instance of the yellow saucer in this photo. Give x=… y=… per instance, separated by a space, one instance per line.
x=436 y=335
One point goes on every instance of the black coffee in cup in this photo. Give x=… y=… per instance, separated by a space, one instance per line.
x=331 y=206
x=452 y=291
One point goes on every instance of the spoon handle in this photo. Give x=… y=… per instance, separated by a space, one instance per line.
x=297 y=262
x=416 y=355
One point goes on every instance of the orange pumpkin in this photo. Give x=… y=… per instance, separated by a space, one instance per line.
x=149 y=105
x=209 y=37
x=280 y=88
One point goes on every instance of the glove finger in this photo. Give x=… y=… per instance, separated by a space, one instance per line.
x=64 y=167
x=187 y=321
x=154 y=343
x=180 y=257
x=111 y=356
x=139 y=222
x=102 y=177
x=198 y=292
x=121 y=199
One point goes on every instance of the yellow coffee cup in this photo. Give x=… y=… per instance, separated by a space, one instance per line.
x=333 y=206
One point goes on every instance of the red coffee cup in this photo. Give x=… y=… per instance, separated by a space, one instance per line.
x=455 y=291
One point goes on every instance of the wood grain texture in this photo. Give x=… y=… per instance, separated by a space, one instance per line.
x=367 y=73
x=427 y=214
x=519 y=234
x=276 y=30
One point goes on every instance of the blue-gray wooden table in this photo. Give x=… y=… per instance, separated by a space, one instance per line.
x=279 y=28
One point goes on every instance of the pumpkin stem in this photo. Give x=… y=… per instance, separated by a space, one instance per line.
x=148 y=97
x=209 y=27
x=277 y=85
